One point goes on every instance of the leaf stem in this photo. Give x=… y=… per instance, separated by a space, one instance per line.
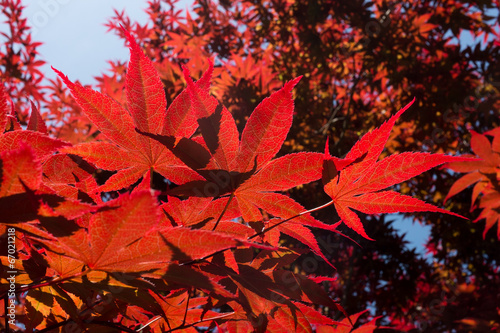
x=201 y=321
x=223 y=211
x=149 y=323
x=290 y=218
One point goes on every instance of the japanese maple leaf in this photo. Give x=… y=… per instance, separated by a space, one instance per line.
x=484 y=174
x=22 y=154
x=130 y=153
x=23 y=197
x=35 y=135
x=243 y=173
x=359 y=186
x=19 y=168
x=124 y=235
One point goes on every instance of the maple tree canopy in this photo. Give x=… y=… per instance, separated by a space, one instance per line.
x=246 y=200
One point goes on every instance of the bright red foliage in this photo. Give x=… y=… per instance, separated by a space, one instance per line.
x=133 y=155
x=194 y=243
x=98 y=246
x=484 y=174
x=359 y=185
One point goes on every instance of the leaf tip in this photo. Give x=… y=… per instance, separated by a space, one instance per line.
x=365 y=235
x=58 y=72
x=187 y=75
x=406 y=107
x=327 y=148
x=63 y=77
x=292 y=83
x=472 y=132
x=134 y=47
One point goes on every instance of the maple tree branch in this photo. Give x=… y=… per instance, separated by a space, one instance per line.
x=223 y=211
x=333 y=119
x=291 y=218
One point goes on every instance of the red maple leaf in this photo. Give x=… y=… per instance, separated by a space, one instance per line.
x=35 y=135
x=359 y=186
x=124 y=235
x=242 y=173
x=484 y=174
x=23 y=195
x=132 y=154
x=19 y=168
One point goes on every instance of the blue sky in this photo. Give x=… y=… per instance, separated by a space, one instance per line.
x=74 y=35
x=76 y=42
